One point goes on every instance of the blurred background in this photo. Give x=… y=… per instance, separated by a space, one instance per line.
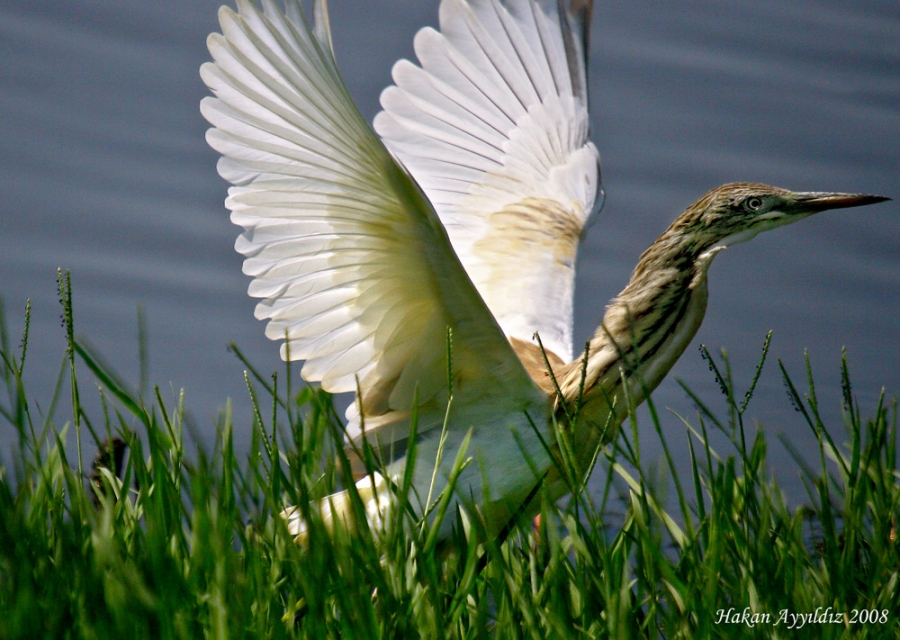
x=105 y=172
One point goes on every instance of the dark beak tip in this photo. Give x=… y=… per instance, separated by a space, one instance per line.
x=865 y=199
x=821 y=202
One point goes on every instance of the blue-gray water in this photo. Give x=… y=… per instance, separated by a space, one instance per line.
x=105 y=172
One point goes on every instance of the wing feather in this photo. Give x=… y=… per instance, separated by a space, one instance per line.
x=353 y=265
x=493 y=124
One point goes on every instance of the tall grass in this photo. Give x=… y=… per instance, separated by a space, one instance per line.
x=183 y=542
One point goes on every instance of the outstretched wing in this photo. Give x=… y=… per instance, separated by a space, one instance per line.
x=494 y=127
x=353 y=266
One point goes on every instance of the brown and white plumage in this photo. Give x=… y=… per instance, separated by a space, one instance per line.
x=462 y=219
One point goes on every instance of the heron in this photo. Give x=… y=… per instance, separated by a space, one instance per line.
x=414 y=262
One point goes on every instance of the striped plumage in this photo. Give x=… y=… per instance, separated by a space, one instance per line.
x=463 y=219
x=649 y=324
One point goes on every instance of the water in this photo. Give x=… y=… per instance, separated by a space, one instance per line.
x=106 y=172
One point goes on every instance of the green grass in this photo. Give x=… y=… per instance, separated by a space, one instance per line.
x=187 y=543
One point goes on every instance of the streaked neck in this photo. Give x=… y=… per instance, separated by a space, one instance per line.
x=645 y=330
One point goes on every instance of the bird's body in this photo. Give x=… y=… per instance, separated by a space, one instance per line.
x=415 y=268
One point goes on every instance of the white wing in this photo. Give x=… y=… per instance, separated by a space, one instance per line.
x=494 y=127
x=352 y=263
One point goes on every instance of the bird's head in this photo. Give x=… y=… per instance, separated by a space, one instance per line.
x=738 y=211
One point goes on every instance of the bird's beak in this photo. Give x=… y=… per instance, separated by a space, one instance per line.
x=813 y=202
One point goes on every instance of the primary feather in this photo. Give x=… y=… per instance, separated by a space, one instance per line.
x=494 y=127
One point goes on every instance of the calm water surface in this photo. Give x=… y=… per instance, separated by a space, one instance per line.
x=105 y=172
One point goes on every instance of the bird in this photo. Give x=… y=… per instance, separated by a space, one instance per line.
x=426 y=262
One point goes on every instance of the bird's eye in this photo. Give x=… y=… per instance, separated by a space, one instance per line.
x=753 y=203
